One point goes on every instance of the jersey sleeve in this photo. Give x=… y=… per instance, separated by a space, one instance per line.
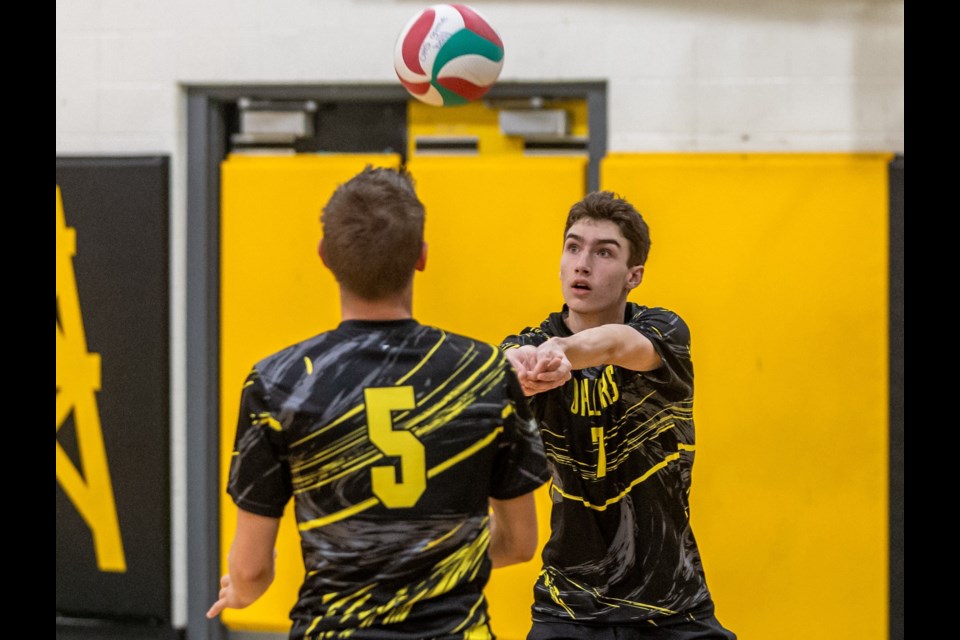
x=671 y=338
x=259 y=473
x=533 y=336
x=520 y=465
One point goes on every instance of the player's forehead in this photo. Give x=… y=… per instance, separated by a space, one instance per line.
x=592 y=231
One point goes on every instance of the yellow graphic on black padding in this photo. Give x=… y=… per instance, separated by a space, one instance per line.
x=78 y=380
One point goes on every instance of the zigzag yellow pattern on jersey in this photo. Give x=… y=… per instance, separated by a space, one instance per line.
x=339 y=462
x=343 y=417
x=469 y=617
x=461 y=397
x=265 y=419
x=437 y=541
x=652 y=470
x=554 y=592
x=660 y=422
x=332 y=456
x=355 y=452
x=466 y=453
x=549 y=582
x=560 y=454
x=332 y=635
x=649 y=430
x=433 y=471
x=358 y=408
x=653 y=427
x=451 y=571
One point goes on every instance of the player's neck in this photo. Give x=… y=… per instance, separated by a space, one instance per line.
x=398 y=307
x=577 y=322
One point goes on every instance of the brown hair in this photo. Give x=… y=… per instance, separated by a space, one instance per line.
x=605 y=205
x=373 y=232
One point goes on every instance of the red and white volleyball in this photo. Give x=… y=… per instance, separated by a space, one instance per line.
x=448 y=54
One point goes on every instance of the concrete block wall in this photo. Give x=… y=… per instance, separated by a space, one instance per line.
x=688 y=75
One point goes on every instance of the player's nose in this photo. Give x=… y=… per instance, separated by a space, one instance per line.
x=583 y=263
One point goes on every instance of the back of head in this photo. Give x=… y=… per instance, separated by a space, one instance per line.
x=605 y=205
x=373 y=232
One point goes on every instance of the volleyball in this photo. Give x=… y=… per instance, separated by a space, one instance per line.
x=448 y=54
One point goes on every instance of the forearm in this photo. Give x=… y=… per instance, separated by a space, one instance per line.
x=497 y=549
x=616 y=344
x=502 y=552
x=513 y=531
x=593 y=347
x=250 y=564
x=250 y=582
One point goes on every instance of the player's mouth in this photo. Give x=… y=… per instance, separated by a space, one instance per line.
x=580 y=285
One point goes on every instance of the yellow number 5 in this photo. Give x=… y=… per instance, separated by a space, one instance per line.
x=380 y=401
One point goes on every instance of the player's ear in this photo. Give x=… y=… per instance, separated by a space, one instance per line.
x=323 y=254
x=422 y=260
x=635 y=276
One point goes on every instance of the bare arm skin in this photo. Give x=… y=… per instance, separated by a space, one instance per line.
x=616 y=344
x=513 y=530
x=548 y=366
x=250 y=563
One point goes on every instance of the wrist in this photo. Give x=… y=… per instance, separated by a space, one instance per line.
x=558 y=343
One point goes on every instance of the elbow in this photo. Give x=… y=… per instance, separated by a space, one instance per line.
x=517 y=557
x=527 y=549
x=521 y=551
x=252 y=575
x=250 y=583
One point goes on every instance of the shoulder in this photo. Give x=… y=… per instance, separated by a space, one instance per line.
x=638 y=311
x=469 y=356
x=294 y=357
x=661 y=322
x=552 y=326
x=468 y=344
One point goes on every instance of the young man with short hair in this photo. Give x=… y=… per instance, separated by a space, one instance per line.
x=395 y=439
x=612 y=391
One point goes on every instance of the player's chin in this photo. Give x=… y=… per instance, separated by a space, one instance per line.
x=579 y=305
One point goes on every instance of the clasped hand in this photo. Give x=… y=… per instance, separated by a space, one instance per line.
x=540 y=368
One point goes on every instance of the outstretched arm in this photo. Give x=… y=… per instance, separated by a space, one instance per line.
x=250 y=562
x=513 y=530
x=616 y=344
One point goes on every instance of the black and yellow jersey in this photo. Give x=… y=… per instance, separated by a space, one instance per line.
x=621 y=447
x=390 y=436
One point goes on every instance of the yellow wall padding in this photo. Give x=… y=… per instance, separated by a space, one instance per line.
x=777 y=262
x=779 y=265
x=274 y=291
x=494 y=233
